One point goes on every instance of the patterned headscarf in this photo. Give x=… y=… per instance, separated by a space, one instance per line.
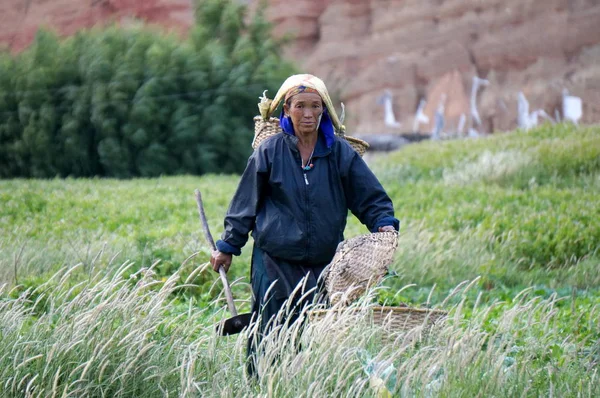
x=298 y=90
x=293 y=84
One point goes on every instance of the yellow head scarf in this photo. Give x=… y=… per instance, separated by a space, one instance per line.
x=310 y=81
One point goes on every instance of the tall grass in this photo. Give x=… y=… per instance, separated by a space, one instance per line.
x=112 y=336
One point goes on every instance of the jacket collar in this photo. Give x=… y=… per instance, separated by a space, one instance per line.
x=321 y=148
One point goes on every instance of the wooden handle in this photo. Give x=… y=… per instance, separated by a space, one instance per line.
x=228 y=295
x=207 y=234
x=211 y=243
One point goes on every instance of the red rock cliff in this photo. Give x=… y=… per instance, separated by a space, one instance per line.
x=426 y=48
x=20 y=20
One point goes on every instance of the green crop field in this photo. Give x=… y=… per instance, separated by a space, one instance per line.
x=105 y=290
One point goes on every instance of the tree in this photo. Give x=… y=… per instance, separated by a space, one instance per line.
x=127 y=102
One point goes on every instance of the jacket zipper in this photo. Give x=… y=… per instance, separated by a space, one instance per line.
x=307 y=199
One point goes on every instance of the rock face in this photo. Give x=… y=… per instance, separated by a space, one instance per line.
x=430 y=48
x=20 y=20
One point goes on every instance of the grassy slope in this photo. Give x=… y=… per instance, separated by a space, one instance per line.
x=517 y=210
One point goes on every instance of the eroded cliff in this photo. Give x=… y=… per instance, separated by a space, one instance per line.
x=20 y=20
x=430 y=48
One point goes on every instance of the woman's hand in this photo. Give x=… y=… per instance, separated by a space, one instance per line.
x=218 y=259
x=387 y=228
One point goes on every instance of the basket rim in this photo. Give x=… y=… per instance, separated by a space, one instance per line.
x=379 y=308
x=258 y=118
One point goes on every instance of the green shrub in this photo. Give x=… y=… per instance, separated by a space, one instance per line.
x=126 y=102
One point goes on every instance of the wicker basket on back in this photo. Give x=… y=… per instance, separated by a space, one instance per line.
x=359 y=264
x=264 y=129
x=265 y=125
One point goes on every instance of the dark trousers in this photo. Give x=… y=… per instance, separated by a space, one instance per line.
x=273 y=283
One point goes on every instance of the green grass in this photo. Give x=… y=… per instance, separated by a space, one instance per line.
x=47 y=225
x=518 y=214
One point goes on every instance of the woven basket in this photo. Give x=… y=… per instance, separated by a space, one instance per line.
x=359 y=145
x=264 y=129
x=391 y=319
x=358 y=264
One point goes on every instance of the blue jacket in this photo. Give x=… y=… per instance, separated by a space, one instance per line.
x=296 y=221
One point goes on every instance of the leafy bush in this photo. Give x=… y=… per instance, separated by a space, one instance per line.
x=135 y=102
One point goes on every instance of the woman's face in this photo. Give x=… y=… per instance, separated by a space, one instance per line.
x=305 y=110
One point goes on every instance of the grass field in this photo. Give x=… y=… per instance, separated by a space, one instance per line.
x=503 y=232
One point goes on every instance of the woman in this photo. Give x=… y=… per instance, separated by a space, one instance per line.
x=295 y=195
